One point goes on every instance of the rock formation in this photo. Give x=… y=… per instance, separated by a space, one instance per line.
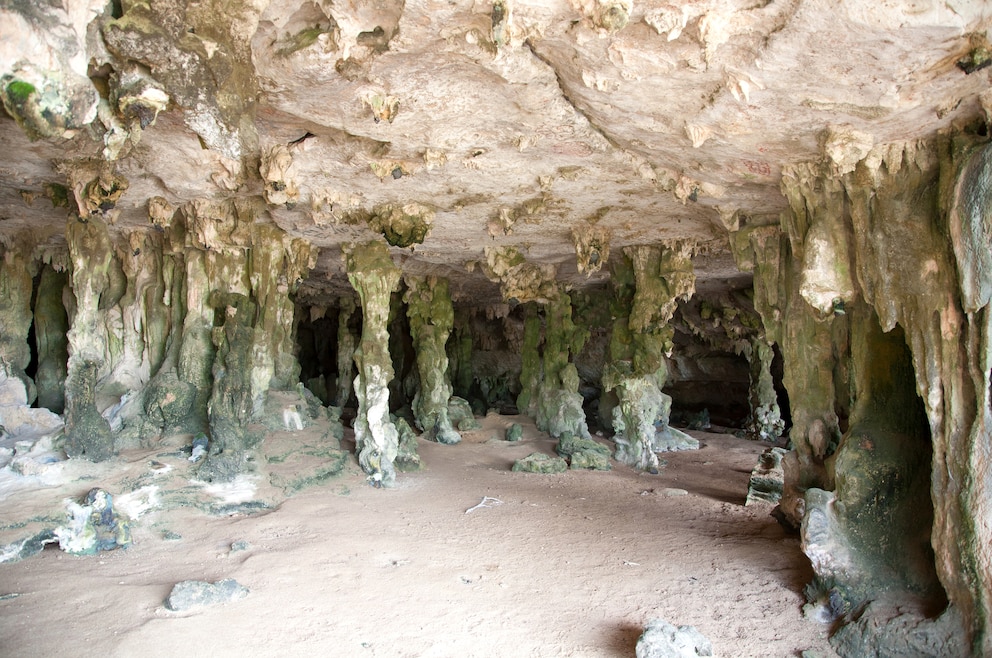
x=605 y=215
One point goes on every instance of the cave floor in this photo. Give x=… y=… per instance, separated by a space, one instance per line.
x=564 y=565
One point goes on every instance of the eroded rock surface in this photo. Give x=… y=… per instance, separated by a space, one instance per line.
x=577 y=197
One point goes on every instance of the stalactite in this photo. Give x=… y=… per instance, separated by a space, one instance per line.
x=908 y=227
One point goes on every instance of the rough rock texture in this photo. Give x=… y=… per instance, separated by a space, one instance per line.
x=431 y=320
x=193 y=594
x=904 y=224
x=647 y=284
x=572 y=170
x=374 y=276
x=663 y=640
x=767 y=478
x=538 y=462
x=93 y=526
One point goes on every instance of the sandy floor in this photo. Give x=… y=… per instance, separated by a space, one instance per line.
x=566 y=565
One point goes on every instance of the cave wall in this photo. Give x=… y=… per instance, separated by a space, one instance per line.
x=894 y=245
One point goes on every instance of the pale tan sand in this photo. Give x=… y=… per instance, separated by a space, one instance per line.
x=567 y=565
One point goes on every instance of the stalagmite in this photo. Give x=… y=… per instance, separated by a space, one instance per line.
x=374 y=276
x=764 y=423
x=431 y=319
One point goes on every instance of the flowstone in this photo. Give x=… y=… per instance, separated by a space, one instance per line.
x=374 y=276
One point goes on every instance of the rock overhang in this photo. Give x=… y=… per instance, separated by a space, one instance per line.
x=512 y=126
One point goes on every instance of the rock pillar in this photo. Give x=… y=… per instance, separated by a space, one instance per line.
x=530 y=355
x=764 y=423
x=647 y=283
x=906 y=233
x=51 y=324
x=559 y=405
x=431 y=320
x=346 y=350
x=374 y=276
x=15 y=311
x=87 y=433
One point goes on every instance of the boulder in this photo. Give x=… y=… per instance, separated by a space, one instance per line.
x=193 y=594
x=663 y=640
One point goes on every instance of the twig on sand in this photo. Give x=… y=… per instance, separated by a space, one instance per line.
x=487 y=501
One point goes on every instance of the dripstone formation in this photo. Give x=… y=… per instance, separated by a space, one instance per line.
x=773 y=219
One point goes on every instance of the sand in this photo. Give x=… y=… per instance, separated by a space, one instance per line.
x=557 y=565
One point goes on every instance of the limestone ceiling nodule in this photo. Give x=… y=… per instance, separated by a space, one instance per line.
x=509 y=123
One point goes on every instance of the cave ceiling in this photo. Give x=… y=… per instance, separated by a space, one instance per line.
x=507 y=123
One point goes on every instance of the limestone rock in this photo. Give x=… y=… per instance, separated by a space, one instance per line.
x=407 y=459
x=194 y=594
x=663 y=640
x=27 y=547
x=538 y=462
x=767 y=478
x=514 y=432
x=93 y=525
x=583 y=453
x=880 y=632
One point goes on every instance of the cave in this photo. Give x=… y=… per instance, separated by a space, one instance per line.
x=500 y=329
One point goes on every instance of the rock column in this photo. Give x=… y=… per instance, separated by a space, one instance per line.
x=559 y=405
x=431 y=319
x=647 y=284
x=906 y=233
x=51 y=324
x=15 y=311
x=764 y=423
x=346 y=350
x=374 y=276
x=87 y=433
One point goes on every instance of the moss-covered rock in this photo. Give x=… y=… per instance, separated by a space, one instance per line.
x=51 y=325
x=431 y=318
x=402 y=226
x=231 y=401
x=583 y=453
x=407 y=458
x=538 y=462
